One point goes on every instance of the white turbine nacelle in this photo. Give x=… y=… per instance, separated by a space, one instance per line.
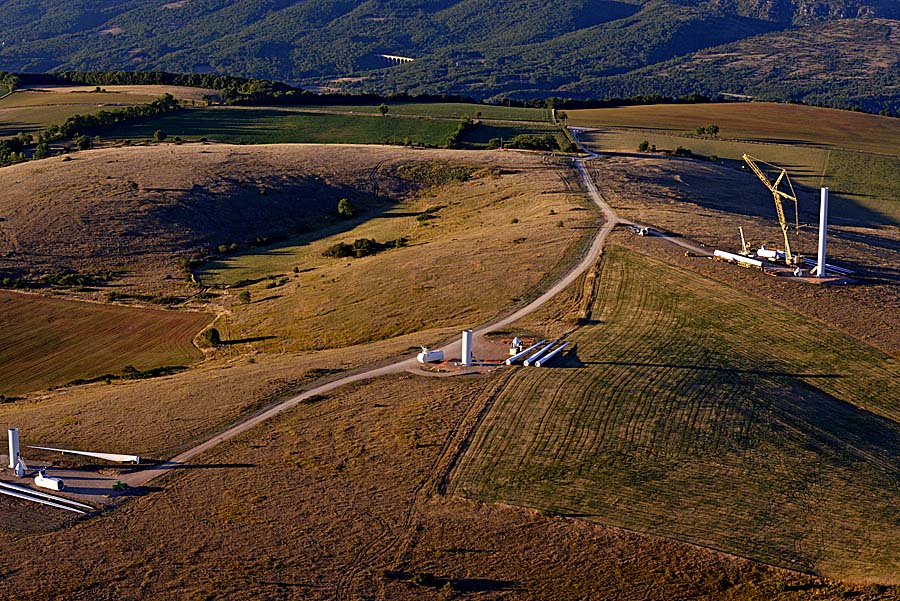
x=429 y=356
x=49 y=482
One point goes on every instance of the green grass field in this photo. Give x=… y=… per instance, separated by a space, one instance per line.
x=277 y=126
x=871 y=180
x=758 y=121
x=48 y=341
x=447 y=110
x=692 y=411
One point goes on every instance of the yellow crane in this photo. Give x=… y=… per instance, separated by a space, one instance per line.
x=778 y=195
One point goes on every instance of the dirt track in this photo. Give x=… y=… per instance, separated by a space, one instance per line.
x=143 y=477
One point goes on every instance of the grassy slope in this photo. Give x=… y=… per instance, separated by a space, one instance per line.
x=706 y=415
x=350 y=478
x=336 y=302
x=48 y=342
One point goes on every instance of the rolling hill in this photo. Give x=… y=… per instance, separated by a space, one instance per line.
x=579 y=48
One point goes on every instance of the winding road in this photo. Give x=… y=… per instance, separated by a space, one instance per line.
x=144 y=476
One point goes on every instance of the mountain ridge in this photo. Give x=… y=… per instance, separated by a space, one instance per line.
x=579 y=48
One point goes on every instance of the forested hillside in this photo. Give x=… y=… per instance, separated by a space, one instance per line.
x=522 y=48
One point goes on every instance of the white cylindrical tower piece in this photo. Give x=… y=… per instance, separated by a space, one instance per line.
x=13 y=435
x=823 y=232
x=467 y=347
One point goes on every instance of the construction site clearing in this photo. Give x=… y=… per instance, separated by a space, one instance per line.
x=492 y=354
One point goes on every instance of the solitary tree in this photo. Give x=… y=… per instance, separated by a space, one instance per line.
x=210 y=337
x=712 y=130
x=644 y=146
x=159 y=135
x=383 y=109
x=244 y=297
x=344 y=208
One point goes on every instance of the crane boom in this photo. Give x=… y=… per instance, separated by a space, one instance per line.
x=777 y=196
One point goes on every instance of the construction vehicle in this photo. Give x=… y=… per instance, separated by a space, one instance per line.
x=778 y=195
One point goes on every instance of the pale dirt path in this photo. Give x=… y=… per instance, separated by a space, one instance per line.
x=142 y=477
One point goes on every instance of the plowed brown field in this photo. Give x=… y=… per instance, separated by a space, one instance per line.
x=47 y=341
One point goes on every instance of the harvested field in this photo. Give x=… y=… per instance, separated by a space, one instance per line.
x=338 y=497
x=864 y=185
x=805 y=165
x=48 y=342
x=696 y=412
x=34 y=109
x=125 y=416
x=756 y=121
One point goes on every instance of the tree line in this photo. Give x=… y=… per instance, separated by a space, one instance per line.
x=78 y=128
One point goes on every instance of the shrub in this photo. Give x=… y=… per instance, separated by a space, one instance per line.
x=210 y=337
x=424 y=579
x=534 y=142
x=244 y=297
x=159 y=135
x=345 y=208
x=339 y=250
x=644 y=146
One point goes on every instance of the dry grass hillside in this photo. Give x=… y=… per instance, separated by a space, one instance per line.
x=143 y=209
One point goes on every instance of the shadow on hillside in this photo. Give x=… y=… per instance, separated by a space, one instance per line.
x=729 y=185
x=462 y=585
x=842 y=430
x=246 y=340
